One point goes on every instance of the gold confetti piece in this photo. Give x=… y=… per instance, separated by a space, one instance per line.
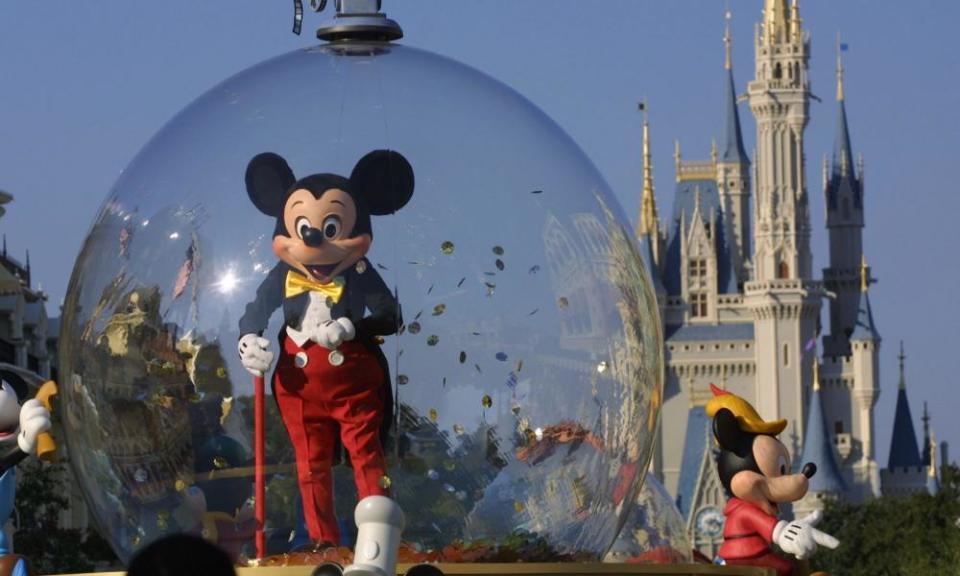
x=562 y=302
x=450 y=465
x=498 y=250
x=602 y=367
x=135 y=541
x=221 y=372
x=414 y=328
x=439 y=309
x=161 y=523
x=180 y=485
x=459 y=430
x=487 y=401
x=379 y=340
x=519 y=507
x=463 y=356
x=220 y=462
x=385 y=482
x=462 y=280
x=500 y=265
x=447 y=247
x=195 y=398
x=402 y=379
x=432 y=340
x=529 y=436
x=434 y=415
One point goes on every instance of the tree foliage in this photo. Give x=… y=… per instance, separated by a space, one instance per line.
x=913 y=535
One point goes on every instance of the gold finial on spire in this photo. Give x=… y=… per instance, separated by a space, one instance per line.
x=864 y=273
x=676 y=157
x=775 y=21
x=727 y=42
x=713 y=151
x=816 y=375
x=839 y=70
x=648 y=203
x=795 y=21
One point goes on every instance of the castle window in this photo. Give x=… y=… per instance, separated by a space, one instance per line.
x=838 y=427
x=786 y=354
x=698 y=267
x=698 y=305
x=778 y=71
x=783 y=270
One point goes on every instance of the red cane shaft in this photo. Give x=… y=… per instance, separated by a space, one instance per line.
x=259 y=483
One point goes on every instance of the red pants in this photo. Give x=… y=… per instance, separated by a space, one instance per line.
x=314 y=401
x=771 y=559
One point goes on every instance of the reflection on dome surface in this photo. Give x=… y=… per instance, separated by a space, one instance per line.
x=526 y=374
x=655 y=532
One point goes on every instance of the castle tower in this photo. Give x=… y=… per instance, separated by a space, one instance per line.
x=783 y=298
x=843 y=190
x=865 y=360
x=733 y=172
x=827 y=483
x=905 y=472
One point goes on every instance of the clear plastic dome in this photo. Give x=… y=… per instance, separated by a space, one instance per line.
x=654 y=533
x=526 y=376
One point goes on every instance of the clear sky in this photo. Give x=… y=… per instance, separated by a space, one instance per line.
x=84 y=84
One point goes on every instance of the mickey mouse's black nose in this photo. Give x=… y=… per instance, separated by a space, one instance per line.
x=809 y=469
x=312 y=237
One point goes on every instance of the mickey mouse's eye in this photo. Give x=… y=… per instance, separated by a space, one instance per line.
x=331 y=227
x=783 y=465
x=301 y=226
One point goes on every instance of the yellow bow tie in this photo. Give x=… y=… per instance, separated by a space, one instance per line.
x=297 y=284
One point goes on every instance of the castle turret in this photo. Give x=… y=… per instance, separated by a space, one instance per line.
x=648 y=224
x=905 y=472
x=843 y=191
x=865 y=361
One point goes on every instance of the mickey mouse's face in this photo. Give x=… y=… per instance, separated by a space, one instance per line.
x=10 y=407
x=321 y=243
x=323 y=220
x=756 y=467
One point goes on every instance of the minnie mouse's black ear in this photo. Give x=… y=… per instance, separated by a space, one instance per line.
x=384 y=181
x=268 y=179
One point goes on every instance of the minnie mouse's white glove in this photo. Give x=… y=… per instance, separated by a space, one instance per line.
x=800 y=538
x=254 y=354
x=335 y=332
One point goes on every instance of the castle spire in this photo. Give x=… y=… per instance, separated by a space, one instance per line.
x=927 y=451
x=903 y=380
x=903 y=443
x=648 y=221
x=839 y=70
x=733 y=150
x=817 y=447
x=842 y=151
x=775 y=21
x=864 y=328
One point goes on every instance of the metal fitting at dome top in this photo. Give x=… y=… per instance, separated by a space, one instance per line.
x=354 y=20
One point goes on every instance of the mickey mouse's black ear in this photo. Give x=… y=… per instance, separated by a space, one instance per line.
x=19 y=384
x=384 y=181
x=268 y=179
x=727 y=431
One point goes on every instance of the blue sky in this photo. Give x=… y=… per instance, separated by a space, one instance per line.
x=84 y=85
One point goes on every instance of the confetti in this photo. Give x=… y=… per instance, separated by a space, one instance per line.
x=487 y=401
x=491 y=288
x=180 y=485
x=449 y=488
x=532 y=312
x=432 y=340
x=379 y=340
x=475 y=333
x=512 y=381
x=463 y=356
x=519 y=365
x=444 y=382
x=430 y=289
x=501 y=356
x=433 y=474
x=140 y=475
x=434 y=415
x=536 y=191
x=414 y=328
x=459 y=430
x=450 y=465
x=447 y=247
x=460 y=495
x=534 y=269
x=417 y=317
x=161 y=523
x=519 y=507
x=439 y=309
x=462 y=280
x=221 y=372
x=381 y=266
x=602 y=367
x=538 y=434
x=402 y=379
x=498 y=250
x=385 y=482
x=562 y=302
x=219 y=462
x=477 y=366
x=500 y=265
x=403 y=328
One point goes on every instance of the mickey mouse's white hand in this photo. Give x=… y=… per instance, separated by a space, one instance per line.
x=34 y=420
x=254 y=355
x=335 y=332
x=800 y=538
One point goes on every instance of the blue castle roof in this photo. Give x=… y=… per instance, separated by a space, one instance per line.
x=650 y=262
x=903 y=444
x=818 y=449
x=733 y=150
x=684 y=207
x=865 y=329
x=843 y=174
x=694 y=444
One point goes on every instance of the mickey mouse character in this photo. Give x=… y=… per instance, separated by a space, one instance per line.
x=20 y=427
x=331 y=382
x=754 y=468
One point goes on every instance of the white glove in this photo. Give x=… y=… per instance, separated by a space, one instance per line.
x=254 y=354
x=34 y=419
x=335 y=332
x=800 y=538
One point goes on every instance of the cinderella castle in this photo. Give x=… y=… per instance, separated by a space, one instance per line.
x=741 y=303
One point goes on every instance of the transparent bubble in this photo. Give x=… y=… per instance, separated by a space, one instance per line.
x=655 y=532
x=148 y=349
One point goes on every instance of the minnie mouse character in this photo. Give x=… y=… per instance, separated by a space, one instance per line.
x=754 y=468
x=331 y=382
